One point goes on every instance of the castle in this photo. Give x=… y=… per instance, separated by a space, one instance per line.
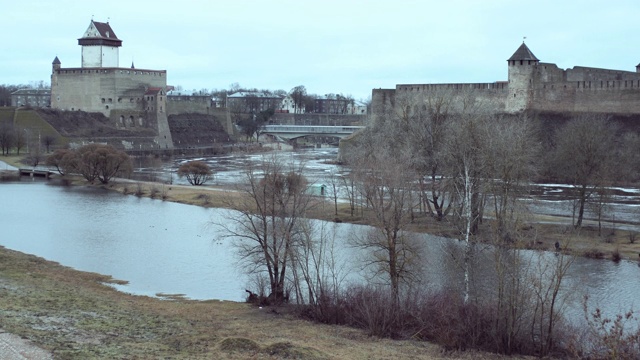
x=129 y=97
x=532 y=86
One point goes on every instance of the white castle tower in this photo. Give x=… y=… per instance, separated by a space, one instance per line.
x=99 y=46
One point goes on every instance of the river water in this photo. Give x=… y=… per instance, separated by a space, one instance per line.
x=161 y=247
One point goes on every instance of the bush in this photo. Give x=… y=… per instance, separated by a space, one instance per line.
x=615 y=255
x=93 y=161
x=441 y=317
x=196 y=172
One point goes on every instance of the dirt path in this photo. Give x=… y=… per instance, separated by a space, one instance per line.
x=13 y=347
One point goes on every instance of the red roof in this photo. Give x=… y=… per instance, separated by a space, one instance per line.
x=153 y=91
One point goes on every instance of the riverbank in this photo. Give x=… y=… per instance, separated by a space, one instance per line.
x=74 y=315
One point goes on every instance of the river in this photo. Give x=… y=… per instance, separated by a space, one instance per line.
x=162 y=247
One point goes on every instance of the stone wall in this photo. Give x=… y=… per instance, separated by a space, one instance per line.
x=103 y=90
x=188 y=104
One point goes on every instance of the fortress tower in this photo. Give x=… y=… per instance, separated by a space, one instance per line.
x=99 y=46
x=522 y=65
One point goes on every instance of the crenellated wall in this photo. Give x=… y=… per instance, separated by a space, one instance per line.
x=531 y=86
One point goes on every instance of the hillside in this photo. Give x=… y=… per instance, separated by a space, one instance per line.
x=80 y=124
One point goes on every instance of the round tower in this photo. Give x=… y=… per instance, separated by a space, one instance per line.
x=55 y=93
x=522 y=65
x=55 y=65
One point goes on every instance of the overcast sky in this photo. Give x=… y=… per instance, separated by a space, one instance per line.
x=329 y=46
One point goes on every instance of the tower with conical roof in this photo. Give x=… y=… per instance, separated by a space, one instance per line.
x=522 y=67
x=99 y=46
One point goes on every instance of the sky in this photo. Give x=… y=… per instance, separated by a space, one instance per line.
x=344 y=47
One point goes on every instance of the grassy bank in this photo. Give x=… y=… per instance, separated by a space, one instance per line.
x=76 y=316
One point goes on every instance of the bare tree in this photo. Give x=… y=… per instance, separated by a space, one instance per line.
x=585 y=156
x=511 y=154
x=298 y=95
x=318 y=269
x=19 y=140
x=6 y=138
x=385 y=184
x=57 y=159
x=267 y=221
x=48 y=141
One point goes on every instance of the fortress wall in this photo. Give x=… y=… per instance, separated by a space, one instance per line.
x=188 y=104
x=580 y=73
x=579 y=97
x=85 y=89
x=547 y=72
x=488 y=97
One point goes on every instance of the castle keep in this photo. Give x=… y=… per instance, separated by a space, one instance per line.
x=532 y=86
x=129 y=97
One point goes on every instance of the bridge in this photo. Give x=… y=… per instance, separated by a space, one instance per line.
x=290 y=132
x=36 y=172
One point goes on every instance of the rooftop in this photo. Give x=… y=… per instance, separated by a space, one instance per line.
x=523 y=53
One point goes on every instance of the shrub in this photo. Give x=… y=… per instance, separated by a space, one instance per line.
x=615 y=255
x=196 y=172
x=139 y=190
x=594 y=254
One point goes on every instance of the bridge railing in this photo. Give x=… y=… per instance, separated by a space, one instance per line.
x=311 y=129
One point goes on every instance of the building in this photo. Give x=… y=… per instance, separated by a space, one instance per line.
x=31 y=97
x=126 y=95
x=532 y=85
x=333 y=104
x=253 y=102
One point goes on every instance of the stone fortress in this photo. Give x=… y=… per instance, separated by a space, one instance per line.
x=533 y=86
x=131 y=98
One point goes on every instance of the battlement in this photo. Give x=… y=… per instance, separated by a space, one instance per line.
x=498 y=85
x=106 y=71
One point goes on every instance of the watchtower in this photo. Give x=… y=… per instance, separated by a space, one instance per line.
x=522 y=66
x=99 y=46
